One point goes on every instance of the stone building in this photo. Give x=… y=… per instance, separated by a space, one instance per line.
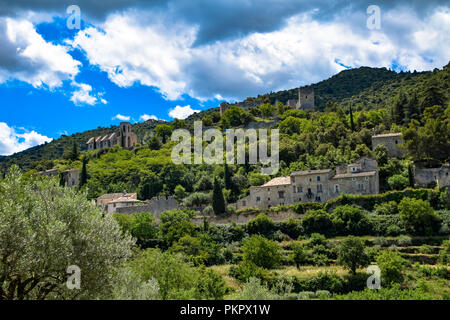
x=123 y=137
x=71 y=177
x=432 y=176
x=315 y=185
x=155 y=206
x=103 y=200
x=305 y=99
x=391 y=141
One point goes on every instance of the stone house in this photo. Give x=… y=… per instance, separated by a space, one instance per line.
x=103 y=200
x=123 y=137
x=314 y=185
x=71 y=177
x=430 y=176
x=155 y=206
x=121 y=202
x=391 y=141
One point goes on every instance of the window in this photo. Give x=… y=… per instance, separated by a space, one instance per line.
x=336 y=188
x=360 y=187
x=340 y=180
x=319 y=188
x=281 y=194
x=317 y=198
x=293 y=179
x=268 y=199
x=318 y=178
x=366 y=178
x=243 y=203
x=353 y=179
x=353 y=169
x=299 y=189
x=258 y=199
x=293 y=188
x=310 y=179
x=396 y=141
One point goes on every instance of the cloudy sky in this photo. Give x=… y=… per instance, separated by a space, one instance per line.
x=139 y=60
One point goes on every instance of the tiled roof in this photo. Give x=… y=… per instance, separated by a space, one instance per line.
x=308 y=172
x=354 y=175
x=396 y=134
x=117 y=195
x=278 y=182
x=91 y=140
x=124 y=199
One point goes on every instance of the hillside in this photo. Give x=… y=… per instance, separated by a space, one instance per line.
x=365 y=88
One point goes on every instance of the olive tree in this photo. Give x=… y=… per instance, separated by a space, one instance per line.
x=44 y=229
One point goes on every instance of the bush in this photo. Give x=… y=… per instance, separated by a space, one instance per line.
x=404 y=241
x=386 y=208
x=398 y=182
x=262 y=225
x=392 y=266
x=418 y=216
x=262 y=252
x=317 y=221
x=444 y=254
x=350 y=220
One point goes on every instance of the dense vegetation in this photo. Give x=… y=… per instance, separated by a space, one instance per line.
x=323 y=249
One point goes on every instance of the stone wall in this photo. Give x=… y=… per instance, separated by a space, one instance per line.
x=155 y=206
x=426 y=177
x=391 y=141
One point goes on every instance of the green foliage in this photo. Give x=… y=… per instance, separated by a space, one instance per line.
x=43 y=224
x=392 y=266
x=261 y=252
x=261 y=225
x=350 y=220
x=164 y=131
x=398 y=182
x=83 y=174
x=418 y=216
x=351 y=254
x=298 y=255
x=140 y=225
x=267 y=110
x=444 y=254
x=175 y=224
x=218 y=201
x=179 y=192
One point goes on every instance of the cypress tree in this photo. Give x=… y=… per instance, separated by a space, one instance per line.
x=218 y=201
x=227 y=176
x=83 y=176
x=410 y=176
x=62 y=181
x=352 y=123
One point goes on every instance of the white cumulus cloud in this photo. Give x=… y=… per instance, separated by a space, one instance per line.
x=12 y=141
x=121 y=117
x=146 y=117
x=26 y=56
x=180 y=112
x=82 y=95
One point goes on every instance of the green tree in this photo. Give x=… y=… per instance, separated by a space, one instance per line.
x=418 y=216
x=154 y=143
x=44 y=229
x=227 y=175
x=211 y=284
x=73 y=153
x=261 y=252
x=432 y=96
x=298 y=255
x=398 y=182
x=261 y=224
x=351 y=254
x=391 y=265
x=267 y=110
x=218 y=201
x=352 y=122
x=175 y=224
x=163 y=131
x=179 y=192
x=84 y=174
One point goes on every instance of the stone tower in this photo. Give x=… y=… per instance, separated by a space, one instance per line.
x=223 y=107
x=125 y=135
x=305 y=98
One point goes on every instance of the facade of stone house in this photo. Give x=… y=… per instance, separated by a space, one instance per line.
x=432 y=176
x=391 y=141
x=71 y=177
x=123 y=137
x=314 y=185
x=121 y=202
x=103 y=200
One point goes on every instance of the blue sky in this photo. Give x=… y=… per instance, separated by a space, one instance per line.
x=164 y=59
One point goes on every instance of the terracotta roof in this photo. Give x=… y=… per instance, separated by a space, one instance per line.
x=396 y=134
x=354 y=175
x=124 y=199
x=117 y=195
x=308 y=172
x=278 y=182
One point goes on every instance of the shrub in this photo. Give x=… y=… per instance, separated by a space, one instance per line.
x=398 y=182
x=392 y=266
x=317 y=221
x=350 y=220
x=254 y=290
x=306 y=295
x=419 y=216
x=261 y=224
x=262 y=252
x=444 y=254
x=386 y=208
x=298 y=255
x=404 y=241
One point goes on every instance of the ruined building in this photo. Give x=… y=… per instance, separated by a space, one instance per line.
x=305 y=99
x=123 y=137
